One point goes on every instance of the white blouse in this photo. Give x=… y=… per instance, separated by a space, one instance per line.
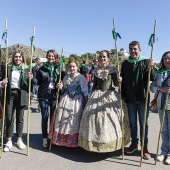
x=16 y=79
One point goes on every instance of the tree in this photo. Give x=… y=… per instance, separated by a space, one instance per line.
x=122 y=49
x=113 y=51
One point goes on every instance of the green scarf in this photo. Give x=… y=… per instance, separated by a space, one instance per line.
x=14 y=67
x=84 y=65
x=134 y=62
x=163 y=71
x=53 y=72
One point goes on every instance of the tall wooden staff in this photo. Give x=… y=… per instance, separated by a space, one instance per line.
x=5 y=37
x=151 y=42
x=57 y=101
x=29 y=90
x=115 y=34
x=96 y=56
x=87 y=57
x=161 y=127
x=0 y=54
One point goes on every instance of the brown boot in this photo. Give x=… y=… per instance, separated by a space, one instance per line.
x=132 y=148
x=146 y=154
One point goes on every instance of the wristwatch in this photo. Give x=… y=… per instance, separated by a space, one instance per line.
x=158 y=89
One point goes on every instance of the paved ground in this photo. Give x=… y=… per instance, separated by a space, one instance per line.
x=61 y=158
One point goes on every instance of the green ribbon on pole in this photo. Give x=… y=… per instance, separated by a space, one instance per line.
x=115 y=34
x=62 y=62
x=32 y=42
x=152 y=40
x=4 y=36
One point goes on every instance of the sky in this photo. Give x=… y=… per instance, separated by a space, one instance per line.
x=82 y=26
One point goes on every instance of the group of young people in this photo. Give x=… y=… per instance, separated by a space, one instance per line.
x=92 y=122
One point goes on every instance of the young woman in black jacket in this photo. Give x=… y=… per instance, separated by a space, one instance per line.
x=16 y=97
x=47 y=77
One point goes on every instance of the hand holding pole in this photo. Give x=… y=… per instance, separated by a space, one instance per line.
x=163 y=117
x=5 y=89
x=121 y=110
x=55 y=111
x=146 y=101
x=29 y=90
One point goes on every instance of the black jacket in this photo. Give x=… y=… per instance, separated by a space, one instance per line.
x=131 y=90
x=83 y=69
x=35 y=69
x=23 y=89
x=43 y=80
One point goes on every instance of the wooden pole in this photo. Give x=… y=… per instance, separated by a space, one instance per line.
x=161 y=127
x=0 y=54
x=57 y=101
x=87 y=57
x=5 y=88
x=29 y=91
x=120 y=98
x=96 y=56
x=146 y=102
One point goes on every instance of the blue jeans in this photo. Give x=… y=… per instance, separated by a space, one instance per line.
x=90 y=86
x=47 y=105
x=36 y=89
x=165 y=147
x=135 y=109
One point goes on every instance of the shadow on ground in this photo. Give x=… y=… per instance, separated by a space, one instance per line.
x=81 y=155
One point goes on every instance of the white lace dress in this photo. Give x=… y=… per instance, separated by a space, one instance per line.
x=69 y=112
x=100 y=128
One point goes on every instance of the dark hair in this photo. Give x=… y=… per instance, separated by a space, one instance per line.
x=162 y=66
x=135 y=43
x=37 y=58
x=94 y=60
x=104 y=51
x=84 y=61
x=77 y=63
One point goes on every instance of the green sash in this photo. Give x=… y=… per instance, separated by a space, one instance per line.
x=134 y=62
x=53 y=72
x=14 y=67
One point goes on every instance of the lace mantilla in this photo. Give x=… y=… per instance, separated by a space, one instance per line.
x=103 y=73
x=71 y=81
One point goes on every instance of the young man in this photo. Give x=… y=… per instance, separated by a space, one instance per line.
x=84 y=68
x=134 y=72
x=35 y=70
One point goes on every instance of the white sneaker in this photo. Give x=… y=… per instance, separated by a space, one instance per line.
x=8 y=146
x=167 y=160
x=45 y=143
x=160 y=158
x=20 y=144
